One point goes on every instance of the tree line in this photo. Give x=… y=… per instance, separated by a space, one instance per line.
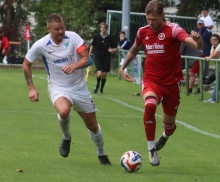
x=82 y=17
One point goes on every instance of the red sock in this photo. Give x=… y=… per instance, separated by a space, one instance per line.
x=169 y=128
x=149 y=118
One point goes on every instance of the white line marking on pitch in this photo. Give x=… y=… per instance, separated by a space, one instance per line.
x=178 y=121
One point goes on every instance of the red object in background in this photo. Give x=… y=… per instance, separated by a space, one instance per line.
x=27 y=34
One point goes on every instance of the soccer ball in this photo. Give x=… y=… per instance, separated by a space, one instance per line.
x=131 y=161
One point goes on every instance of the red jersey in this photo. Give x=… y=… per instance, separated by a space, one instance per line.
x=163 y=61
x=4 y=44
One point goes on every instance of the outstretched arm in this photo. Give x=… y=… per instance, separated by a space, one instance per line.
x=33 y=94
x=195 y=41
x=129 y=57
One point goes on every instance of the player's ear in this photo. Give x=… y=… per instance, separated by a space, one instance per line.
x=48 y=28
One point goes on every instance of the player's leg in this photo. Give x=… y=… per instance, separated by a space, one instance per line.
x=95 y=133
x=98 y=65
x=98 y=80
x=103 y=81
x=105 y=70
x=191 y=81
x=62 y=103
x=6 y=54
x=169 y=128
x=85 y=107
x=170 y=105
x=196 y=72
x=150 y=102
x=63 y=107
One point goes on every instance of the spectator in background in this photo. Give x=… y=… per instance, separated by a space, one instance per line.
x=5 y=47
x=124 y=44
x=214 y=54
x=193 y=64
x=206 y=35
x=206 y=18
x=103 y=46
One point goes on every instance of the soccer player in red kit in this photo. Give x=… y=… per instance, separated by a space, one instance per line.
x=162 y=72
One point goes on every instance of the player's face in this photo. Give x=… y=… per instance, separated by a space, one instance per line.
x=103 y=29
x=214 y=41
x=155 y=21
x=57 y=31
x=200 y=25
x=122 y=36
x=204 y=13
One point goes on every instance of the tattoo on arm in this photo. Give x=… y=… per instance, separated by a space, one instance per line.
x=134 y=50
x=28 y=78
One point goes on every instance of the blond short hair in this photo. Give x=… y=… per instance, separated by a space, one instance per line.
x=155 y=7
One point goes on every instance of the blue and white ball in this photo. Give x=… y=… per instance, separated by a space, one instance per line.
x=131 y=161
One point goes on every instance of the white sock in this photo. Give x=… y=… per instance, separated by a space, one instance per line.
x=5 y=60
x=151 y=145
x=164 y=135
x=65 y=127
x=98 y=141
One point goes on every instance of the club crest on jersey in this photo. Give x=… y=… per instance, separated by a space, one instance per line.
x=68 y=45
x=161 y=36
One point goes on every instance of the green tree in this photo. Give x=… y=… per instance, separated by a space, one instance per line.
x=193 y=8
x=82 y=17
x=13 y=15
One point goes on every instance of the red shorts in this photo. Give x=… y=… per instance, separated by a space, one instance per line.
x=168 y=95
x=195 y=68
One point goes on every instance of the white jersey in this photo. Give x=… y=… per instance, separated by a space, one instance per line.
x=57 y=56
x=207 y=20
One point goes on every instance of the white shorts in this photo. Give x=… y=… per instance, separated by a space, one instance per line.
x=81 y=98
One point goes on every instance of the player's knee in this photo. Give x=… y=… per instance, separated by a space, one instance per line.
x=64 y=113
x=150 y=104
x=93 y=126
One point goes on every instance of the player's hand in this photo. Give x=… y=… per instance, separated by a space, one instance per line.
x=68 y=69
x=111 y=51
x=126 y=76
x=34 y=95
x=207 y=58
x=3 y=51
x=196 y=36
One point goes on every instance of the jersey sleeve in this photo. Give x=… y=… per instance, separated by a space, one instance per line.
x=217 y=48
x=78 y=41
x=138 y=38
x=178 y=32
x=6 y=43
x=34 y=52
x=94 y=41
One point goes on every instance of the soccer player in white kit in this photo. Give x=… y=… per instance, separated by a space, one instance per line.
x=64 y=54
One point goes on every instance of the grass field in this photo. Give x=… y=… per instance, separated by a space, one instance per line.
x=30 y=136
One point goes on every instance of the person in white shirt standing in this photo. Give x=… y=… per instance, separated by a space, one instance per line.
x=64 y=55
x=206 y=18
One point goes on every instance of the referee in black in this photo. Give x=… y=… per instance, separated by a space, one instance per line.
x=103 y=46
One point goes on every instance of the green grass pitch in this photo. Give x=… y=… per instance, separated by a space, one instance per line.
x=30 y=136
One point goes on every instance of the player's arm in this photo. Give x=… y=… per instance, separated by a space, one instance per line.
x=33 y=94
x=84 y=55
x=214 y=54
x=129 y=57
x=91 y=49
x=210 y=27
x=195 y=41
